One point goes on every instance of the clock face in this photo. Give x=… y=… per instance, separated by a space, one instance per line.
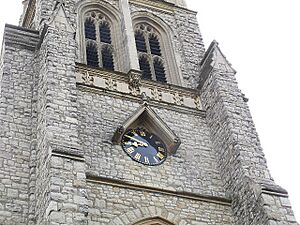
x=144 y=147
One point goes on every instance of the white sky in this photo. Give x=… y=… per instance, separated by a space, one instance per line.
x=261 y=38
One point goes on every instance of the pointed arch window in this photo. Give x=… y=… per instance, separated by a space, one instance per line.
x=150 y=56
x=98 y=41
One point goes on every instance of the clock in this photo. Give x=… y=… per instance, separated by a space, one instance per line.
x=144 y=147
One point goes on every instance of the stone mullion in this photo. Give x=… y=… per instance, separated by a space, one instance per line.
x=99 y=44
x=150 y=57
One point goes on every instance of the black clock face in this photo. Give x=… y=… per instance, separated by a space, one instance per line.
x=144 y=147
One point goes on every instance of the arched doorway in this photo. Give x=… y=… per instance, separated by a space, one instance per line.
x=153 y=221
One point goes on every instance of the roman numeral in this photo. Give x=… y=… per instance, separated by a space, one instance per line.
x=137 y=156
x=146 y=159
x=159 y=155
x=130 y=150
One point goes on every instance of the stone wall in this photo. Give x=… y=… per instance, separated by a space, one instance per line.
x=57 y=129
x=120 y=205
x=192 y=169
x=68 y=200
x=15 y=123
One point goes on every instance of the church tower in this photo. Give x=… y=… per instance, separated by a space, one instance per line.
x=112 y=112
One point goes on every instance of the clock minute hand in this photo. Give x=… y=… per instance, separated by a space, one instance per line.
x=136 y=140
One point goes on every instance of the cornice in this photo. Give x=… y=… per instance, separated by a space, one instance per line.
x=21 y=37
x=161 y=5
x=117 y=84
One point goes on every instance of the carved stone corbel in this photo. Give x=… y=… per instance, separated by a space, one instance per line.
x=134 y=81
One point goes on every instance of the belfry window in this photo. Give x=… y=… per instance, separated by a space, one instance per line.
x=145 y=67
x=92 y=54
x=149 y=52
x=98 y=42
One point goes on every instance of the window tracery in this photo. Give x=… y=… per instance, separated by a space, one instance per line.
x=98 y=41
x=149 y=52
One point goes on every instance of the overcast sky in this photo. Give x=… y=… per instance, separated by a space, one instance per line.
x=261 y=39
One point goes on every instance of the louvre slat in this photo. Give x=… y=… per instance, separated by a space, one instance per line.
x=90 y=30
x=107 y=59
x=145 y=68
x=105 y=35
x=140 y=42
x=154 y=45
x=92 y=55
x=160 y=71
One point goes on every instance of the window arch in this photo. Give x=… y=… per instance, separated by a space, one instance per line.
x=163 y=45
x=154 y=221
x=98 y=41
x=149 y=52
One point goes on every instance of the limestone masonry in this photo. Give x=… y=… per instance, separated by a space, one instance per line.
x=78 y=75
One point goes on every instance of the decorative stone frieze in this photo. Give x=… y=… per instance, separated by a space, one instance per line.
x=131 y=86
x=111 y=84
x=87 y=78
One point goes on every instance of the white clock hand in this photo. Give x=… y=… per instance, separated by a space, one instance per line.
x=138 y=141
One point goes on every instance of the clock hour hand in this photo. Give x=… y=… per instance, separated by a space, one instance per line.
x=138 y=141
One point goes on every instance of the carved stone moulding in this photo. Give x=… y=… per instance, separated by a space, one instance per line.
x=130 y=85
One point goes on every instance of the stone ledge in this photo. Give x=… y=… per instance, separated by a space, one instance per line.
x=67 y=156
x=167 y=6
x=148 y=90
x=21 y=37
x=122 y=184
x=273 y=189
x=71 y=152
x=156 y=104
